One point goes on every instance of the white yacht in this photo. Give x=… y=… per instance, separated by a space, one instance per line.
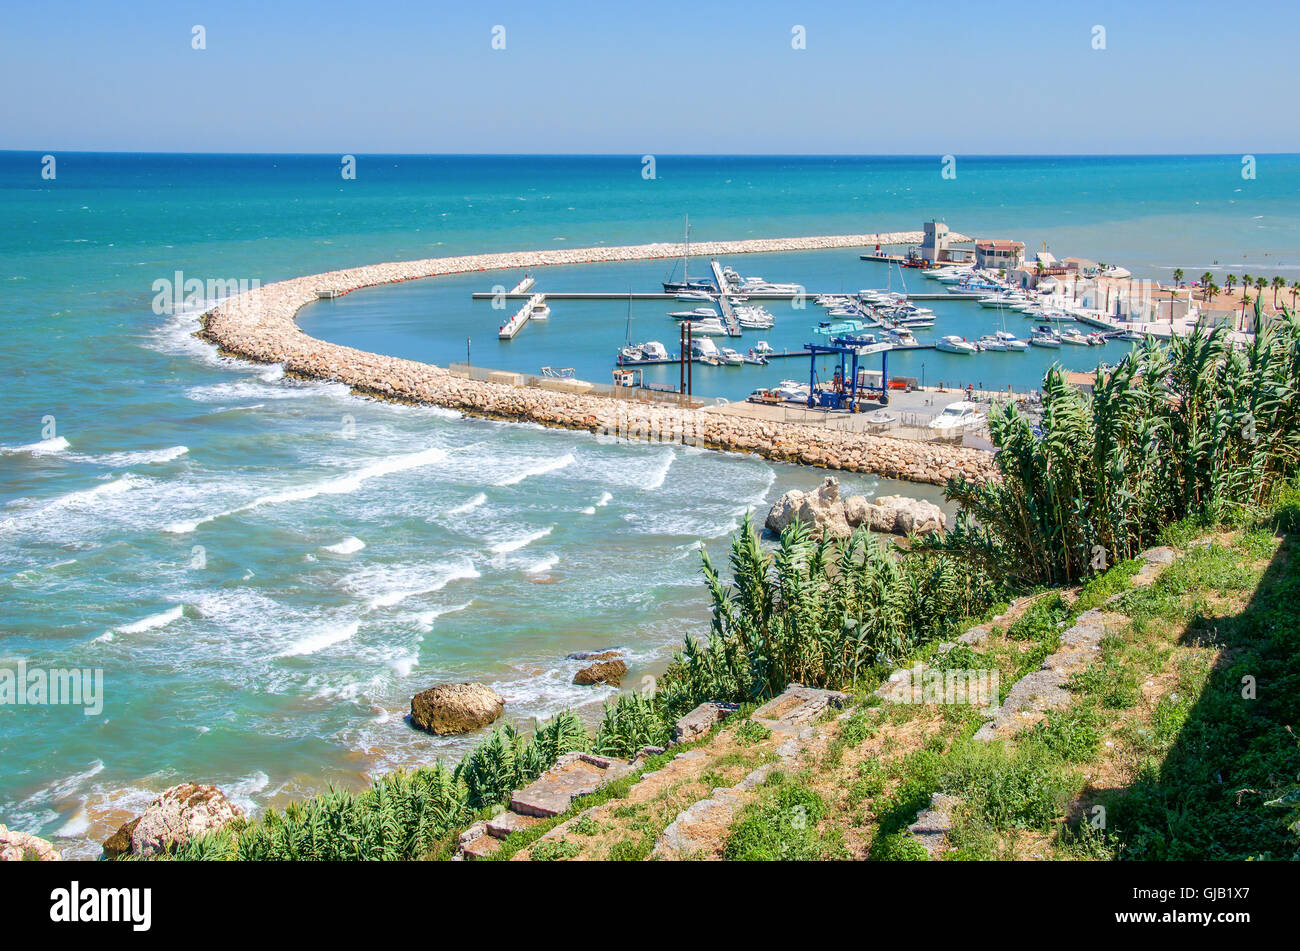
x=703 y=348
x=730 y=357
x=957 y=416
x=1010 y=341
x=709 y=327
x=955 y=275
x=1003 y=300
x=1045 y=337
x=699 y=313
x=954 y=344
x=654 y=350
x=1071 y=335
x=541 y=311
x=793 y=391
x=990 y=342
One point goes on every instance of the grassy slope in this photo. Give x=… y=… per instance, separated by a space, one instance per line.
x=1159 y=733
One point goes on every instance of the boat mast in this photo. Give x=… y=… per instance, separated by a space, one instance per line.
x=686 y=253
x=628 y=332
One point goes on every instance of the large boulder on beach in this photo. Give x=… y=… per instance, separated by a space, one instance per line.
x=609 y=672
x=456 y=708
x=820 y=509
x=836 y=517
x=18 y=846
x=899 y=515
x=172 y=819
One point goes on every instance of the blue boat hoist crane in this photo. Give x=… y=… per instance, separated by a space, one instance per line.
x=845 y=392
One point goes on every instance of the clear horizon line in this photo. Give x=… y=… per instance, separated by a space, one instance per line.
x=927 y=155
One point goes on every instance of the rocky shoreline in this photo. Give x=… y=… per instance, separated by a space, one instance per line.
x=260 y=326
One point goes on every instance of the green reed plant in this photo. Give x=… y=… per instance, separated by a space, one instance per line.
x=1194 y=428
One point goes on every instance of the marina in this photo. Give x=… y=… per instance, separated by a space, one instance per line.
x=944 y=318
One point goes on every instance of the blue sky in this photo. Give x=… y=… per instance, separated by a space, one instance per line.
x=670 y=77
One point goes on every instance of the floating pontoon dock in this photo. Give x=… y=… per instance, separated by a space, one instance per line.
x=524 y=314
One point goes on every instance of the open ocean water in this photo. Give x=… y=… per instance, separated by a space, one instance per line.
x=266 y=570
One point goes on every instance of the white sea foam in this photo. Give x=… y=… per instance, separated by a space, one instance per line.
x=605 y=499
x=76 y=824
x=469 y=505
x=153 y=621
x=347 y=546
x=661 y=474
x=545 y=564
x=540 y=469
x=42 y=448
x=337 y=486
x=83 y=498
x=426 y=618
x=314 y=643
x=384 y=586
x=589 y=510
x=142 y=457
x=519 y=541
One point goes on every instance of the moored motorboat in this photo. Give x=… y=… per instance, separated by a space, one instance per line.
x=954 y=344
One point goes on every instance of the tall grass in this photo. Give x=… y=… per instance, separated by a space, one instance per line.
x=820 y=613
x=1194 y=428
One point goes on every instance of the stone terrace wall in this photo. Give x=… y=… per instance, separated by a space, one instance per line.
x=259 y=326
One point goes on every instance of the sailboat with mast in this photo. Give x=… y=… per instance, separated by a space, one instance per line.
x=686 y=284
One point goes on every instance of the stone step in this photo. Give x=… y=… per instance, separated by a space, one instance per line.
x=798 y=705
x=508 y=823
x=480 y=848
x=933 y=823
x=701 y=720
x=1045 y=689
x=573 y=775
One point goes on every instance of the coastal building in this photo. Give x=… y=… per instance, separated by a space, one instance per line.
x=938 y=246
x=999 y=255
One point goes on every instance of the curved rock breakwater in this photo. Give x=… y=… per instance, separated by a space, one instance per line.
x=259 y=326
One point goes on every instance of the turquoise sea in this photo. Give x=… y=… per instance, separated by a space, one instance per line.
x=266 y=570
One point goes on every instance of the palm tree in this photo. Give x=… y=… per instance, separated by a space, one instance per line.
x=1279 y=283
x=1230 y=280
x=1206 y=278
x=1295 y=289
x=1178 y=277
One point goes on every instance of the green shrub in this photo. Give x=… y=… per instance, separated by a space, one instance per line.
x=782 y=826
x=631 y=722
